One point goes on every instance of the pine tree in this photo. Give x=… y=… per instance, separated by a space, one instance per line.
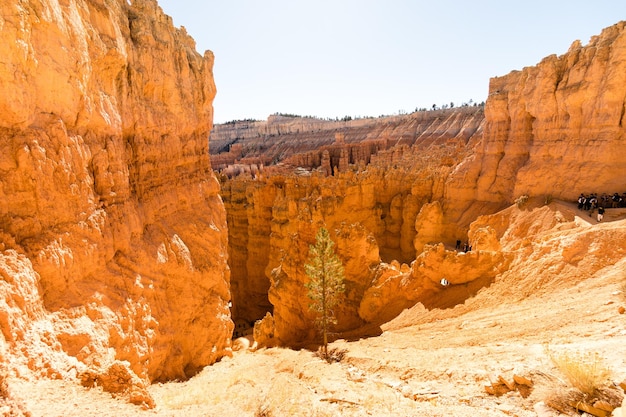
x=326 y=275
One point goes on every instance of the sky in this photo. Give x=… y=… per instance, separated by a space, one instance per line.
x=336 y=58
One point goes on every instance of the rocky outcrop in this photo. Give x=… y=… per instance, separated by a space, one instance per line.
x=370 y=212
x=112 y=231
x=555 y=129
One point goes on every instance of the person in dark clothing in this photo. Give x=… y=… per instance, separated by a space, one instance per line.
x=587 y=205
x=615 y=199
x=581 y=201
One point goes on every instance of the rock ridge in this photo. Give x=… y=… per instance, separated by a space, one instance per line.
x=555 y=128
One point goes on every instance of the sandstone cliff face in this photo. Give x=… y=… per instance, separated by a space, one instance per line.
x=370 y=211
x=555 y=129
x=111 y=223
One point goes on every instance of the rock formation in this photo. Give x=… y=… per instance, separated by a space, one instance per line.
x=301 y=142
x=371 y=212
x=112 y=232
x=555 y=129
x=397 y=193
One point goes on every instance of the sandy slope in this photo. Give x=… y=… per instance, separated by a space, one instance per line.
x=426 y=363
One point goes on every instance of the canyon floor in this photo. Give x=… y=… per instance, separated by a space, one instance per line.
x=425 y=363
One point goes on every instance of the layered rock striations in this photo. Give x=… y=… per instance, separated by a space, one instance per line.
x=396 y=204
x=301 y=142
x=112 y=232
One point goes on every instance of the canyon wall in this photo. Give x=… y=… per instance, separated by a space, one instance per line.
x=113 y=235
x=555 y=129
x=396 y=199
x=369 y=204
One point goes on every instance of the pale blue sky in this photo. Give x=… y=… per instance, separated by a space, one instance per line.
x=372 y=57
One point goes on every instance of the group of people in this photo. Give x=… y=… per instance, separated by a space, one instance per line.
x=465 y=248
x=592 y=202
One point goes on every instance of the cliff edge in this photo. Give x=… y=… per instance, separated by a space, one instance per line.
x=554 y=129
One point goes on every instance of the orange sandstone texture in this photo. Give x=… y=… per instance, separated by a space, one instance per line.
x=113 y=236
x=555 y=129
x=370 y=214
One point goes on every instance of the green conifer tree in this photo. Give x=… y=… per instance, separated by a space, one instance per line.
x=326 y=275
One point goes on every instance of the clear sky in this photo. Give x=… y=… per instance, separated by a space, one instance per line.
x=335 y=58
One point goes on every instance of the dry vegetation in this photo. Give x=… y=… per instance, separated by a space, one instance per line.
x=587 y=383
x=585 y=371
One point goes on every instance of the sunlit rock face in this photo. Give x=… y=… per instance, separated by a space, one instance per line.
x=369 y=207
x=111 y=223
x=554 y=129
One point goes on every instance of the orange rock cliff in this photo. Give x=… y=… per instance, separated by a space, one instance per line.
x=113 y=236
x=396 y=193
x=555 y=129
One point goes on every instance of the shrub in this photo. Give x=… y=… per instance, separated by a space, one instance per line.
x=586 y=372
x=586 y=383
x=333 y=354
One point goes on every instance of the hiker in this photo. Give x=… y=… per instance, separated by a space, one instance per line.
x=600 y=213
x=604 y=200
x=581 y=201
x=587 y=205
x=593 y=203
x=616 y=200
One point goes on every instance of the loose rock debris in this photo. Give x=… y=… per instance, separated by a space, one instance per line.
x=502 y=386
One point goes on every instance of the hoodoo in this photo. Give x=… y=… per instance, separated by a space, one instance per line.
x=124 y=258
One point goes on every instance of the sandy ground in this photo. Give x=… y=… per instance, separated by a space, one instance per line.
x=426 y=363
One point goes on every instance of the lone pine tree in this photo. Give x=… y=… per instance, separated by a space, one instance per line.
x=325 y=286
